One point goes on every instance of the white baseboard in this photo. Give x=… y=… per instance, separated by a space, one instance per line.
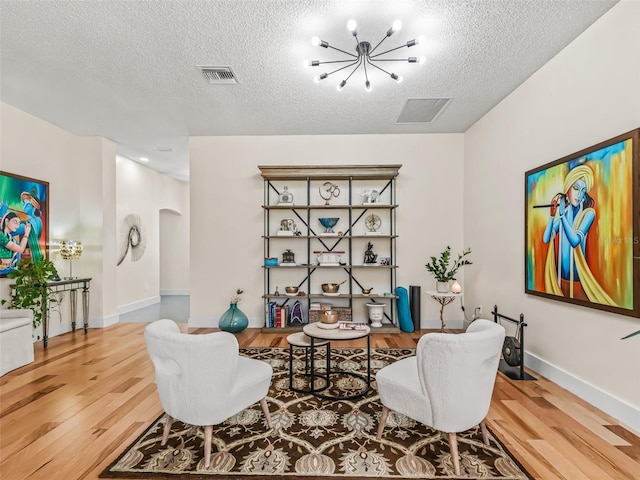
x=104 y=321
x=618 y=409
x=206 y=321
x=140 y=304
x=175 y=292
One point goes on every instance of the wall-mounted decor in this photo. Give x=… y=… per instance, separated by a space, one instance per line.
x=24 y=220
x=132 y=238
x=582 y=227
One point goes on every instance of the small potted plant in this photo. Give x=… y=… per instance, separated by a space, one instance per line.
x=31 y=289
x=443 y=271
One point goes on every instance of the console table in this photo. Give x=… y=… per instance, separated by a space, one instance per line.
x=72 y=286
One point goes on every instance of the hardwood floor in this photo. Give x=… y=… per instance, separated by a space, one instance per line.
x=85 y=398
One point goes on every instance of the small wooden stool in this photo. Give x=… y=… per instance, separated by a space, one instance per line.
x=300 y=340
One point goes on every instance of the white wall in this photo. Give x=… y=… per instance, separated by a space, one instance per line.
x=588 y=93
x=227 y=222
x=144 y=192
x=77 y=169
x=174 y=237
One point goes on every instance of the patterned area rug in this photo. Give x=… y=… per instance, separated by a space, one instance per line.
x=313 y=438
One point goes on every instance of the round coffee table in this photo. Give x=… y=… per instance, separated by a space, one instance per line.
x=317 y=333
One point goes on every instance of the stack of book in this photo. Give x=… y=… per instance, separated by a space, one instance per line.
x=277 y=316
x=352 y=326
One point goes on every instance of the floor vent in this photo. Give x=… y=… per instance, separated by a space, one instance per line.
x=422 y=110
x=218 y=75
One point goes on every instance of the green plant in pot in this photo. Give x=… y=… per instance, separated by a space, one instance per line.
x=30 y=287
x=444 y=270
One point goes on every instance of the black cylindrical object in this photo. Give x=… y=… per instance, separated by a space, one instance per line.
x=414 y=305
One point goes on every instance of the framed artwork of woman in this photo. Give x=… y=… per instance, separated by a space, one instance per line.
x=24 y=220
x=582 y=227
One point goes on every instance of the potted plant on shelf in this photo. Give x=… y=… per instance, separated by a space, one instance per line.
x=31 y=289
x=443 y=271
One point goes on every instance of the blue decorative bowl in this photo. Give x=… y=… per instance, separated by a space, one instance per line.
x=271 y=262
x=328 y=223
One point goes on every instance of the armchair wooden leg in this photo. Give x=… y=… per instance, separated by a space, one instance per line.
x=168 y=420
x=383 y=421
x=485 y=433
x=453 y=447
x=208 y=433
x=265 y=409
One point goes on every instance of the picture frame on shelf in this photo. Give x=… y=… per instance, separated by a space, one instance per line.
x=582 y=227
x=384 y=261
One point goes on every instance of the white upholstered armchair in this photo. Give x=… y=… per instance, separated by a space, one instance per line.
x=448 y=384
x=202 y=380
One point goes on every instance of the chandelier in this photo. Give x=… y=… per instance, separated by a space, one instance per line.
x=365 y=56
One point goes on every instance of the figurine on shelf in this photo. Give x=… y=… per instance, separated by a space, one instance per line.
x=288 y=257
x=369 y=196
x=288 y=227
x=370 y=258
x=286 y=197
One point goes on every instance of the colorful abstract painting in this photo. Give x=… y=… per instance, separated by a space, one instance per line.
x=582 y=227
x=24 y=220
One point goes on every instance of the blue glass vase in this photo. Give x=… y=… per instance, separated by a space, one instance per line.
x=233 y=320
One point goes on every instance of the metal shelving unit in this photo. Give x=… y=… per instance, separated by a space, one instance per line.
x=307 y=273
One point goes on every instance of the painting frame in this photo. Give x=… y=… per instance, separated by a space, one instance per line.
x=29 y=199
x=582 y=227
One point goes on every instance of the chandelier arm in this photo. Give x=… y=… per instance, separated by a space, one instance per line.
x=354 y=70
x=338 y=61
x=387 y=51
x=382 y=69
x=346 y=66
x=364 y=65
x=389 y=60
x=346 y=53
x=374 y=48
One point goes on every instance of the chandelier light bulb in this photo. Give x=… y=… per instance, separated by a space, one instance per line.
x=421 y=60
x=395 y=26
x=397 y=78
x=341 y=85
x=352 y=26
x=367 y=86
x=421 y=40
x=315 y=41
x=317 y=78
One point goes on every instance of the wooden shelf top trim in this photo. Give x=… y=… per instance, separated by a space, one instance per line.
x=328 y=172
x=360 y=206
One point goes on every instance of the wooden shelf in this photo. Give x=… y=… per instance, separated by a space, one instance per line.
x=352 y=180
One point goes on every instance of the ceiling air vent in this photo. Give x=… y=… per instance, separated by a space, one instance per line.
x=422 y=110
x=218 y=75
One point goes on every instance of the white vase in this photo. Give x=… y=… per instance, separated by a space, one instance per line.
x=442 y=287
x=376 y=313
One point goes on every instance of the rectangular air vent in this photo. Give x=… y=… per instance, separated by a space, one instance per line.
x=422 y=110
x=218 y=75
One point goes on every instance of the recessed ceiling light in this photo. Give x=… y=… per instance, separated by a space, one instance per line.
x=164 y=149
x=144 y=159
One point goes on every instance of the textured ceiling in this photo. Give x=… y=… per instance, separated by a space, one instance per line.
x=126 y=70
